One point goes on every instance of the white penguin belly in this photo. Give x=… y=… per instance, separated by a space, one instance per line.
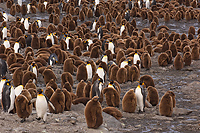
x=67 y=41
x=6 y=44
x=1 y=87
x=123 y=64
x=26 y=24
x=93 y=26
x=18 y=90
x=136 y=58
x=41 y=106
x=139 y=98
x=111 y=47
x=121 y=30
x=100 y=73
x=4 y=31
x=16 y=47
x=12 y=99
x=35 y=71
x=89 y=71
x=28 y=8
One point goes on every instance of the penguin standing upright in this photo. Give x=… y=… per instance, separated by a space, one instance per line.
x=100 y=32
x=97 y=88
x=45 y=4
x=19 y=2
x=6 y=43
x=5 y=16
x=88 y=42
x=18 y=90
x=93 y=25
x=39 y=23
x=122 y=28
x=26 y=23
x=124 y=63
x=28 y=8
x=50 y=36
x=127 y=15
x=8 y=97
x=136 y=58
x=104 y=58
x=153 y=2
x=140 y=3
x=101 y=73
x=2 y=82
x=33 y=68
x=17 y=47
x=111 y=47
x=4 y=31
x=28 y=39
x=53 y=59
x=67 y=41
x=89 y=70
x=140 y=95
x=147 y=4
x=3 y=67
x=79 y=3
x=41 y=105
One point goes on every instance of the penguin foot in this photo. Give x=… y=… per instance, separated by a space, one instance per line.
x=38 y=118
x=23 y=120
x=44 y=122
x=140 y=112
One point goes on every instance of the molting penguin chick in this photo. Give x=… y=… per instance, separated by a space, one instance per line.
x=8 y=97
x=112 y=96
x=93 y=113
x=141 y=96
x=129 y=101
x=96 y=89
x=82 y=73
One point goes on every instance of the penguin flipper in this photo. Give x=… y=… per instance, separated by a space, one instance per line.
x=51 y=105
x=32 y=101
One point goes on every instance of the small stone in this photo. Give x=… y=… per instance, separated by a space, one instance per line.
x=57 y=120
x=122 y=125
x=137 y=126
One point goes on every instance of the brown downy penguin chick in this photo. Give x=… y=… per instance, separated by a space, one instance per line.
x=119 y=55
x=33 y=9
x=83 y=100
x=34 y=28
x=166 y=105
x=134 y=73
x=9 y=3
x=81 y=73
x=13 y=10
x=12 y=58
x=118 y=19
x=167 y=16
x=27 y=76
x=23 y=108
x=66 y=77
x=26 y=93
x=146 y=60
x=169 y=52
x=112 y=96
x=195 y=52
x=93 y=113
x=94 y=68
x=81 y=15
x=174 y=50
x=35 y=43
x=68 y=99
x=95 y=52
x=86 y=90
x=17 y=77
x=148 y=80
x=178 y=62
x=48 y=74
x=53 y=84
x=173 y=97
x=129 y=102
x=121 y=75
x=49 y=91
x=23 y=9
x=77 y=51
x=51 y=16
x=18 y=8
x=56 y=19
x=30 y=84
x=113 y=72
x=113 y=111
x=163 y=59
x=58 y=100
x=80 y=88
x=191 y=30
x=33 y=93
x=72 y=25
x=187 y=58
x=152 y=96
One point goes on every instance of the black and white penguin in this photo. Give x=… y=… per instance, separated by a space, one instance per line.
x=17 y=46
x=141 y=96
x=101 y=73
x=110 y=64
x=147 y=4
x=33 y=68
x=88 y=42
x=104 y=58
x=41 y=105
x=19 y=2
x=122 y=28
x=130 y=4
x=100 y=32
x=26 y=23
x=3 y=67
x=6 y=43
x=153 y=2
x=79 y=3
x=28 y=39
x=8 y=97
x=136 y=58
x=39 y=23
x=93 y=25
x=50 y=36
x=97 y=88
x=89 y=70
x=60 y=6
x=18 y=90
x=28 y=8
x=2 y=82
x=53 y=59
x=127 y=15
x=111 y=47
x=5 y=16
x=125 y=62
x=140 y=3
x=4 y=32
x=67 y=40
x=45 y=4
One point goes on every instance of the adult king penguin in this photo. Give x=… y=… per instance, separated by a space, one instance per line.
x=4 y=31
x=26 y=23
x=8 y=97
x=101 y=73
x=89 y=70
x=2 y=82
x=140 y=95
x=53 y=59
x=93 y=25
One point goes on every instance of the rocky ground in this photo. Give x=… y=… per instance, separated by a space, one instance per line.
x=184 y=83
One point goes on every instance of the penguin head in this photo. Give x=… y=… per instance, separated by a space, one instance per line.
x=28 y=18
x=33 y=64
x=100 y=80
x=95 y=20
x=140 y=82
x=111 y=82
x=88 y=62
x=25 y=36
x=18 y=19
x=39 y=91
x=4 y=78
x=8 y=82
x=129 y=61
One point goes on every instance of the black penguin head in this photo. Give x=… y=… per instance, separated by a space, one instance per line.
x=129 y=62
x=140 y=82
x=100 y=80
x=95 y=20
x=39 y=91
x=8 y=82
x=111 y=82
x=33 y=64
x=4 y=77
x=88 y=62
